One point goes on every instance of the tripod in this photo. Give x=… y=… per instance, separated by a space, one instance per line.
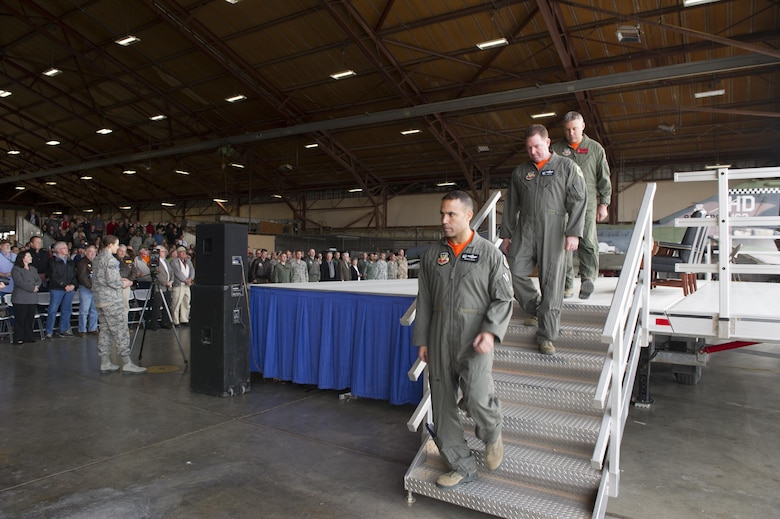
x=150 y=297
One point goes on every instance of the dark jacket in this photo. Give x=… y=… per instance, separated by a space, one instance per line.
x=84 y=273
x=61 y=273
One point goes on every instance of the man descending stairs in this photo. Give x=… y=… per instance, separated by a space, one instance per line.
x=549 y=431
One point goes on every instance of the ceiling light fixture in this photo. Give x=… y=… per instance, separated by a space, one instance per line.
x=232 y=1
x=51 y=72
x=236 y=98
x=167 y=204
x=220 y=200
x=629 y=34
x=692 y=3
x=237 y=165
x=104 y=131
x=14 y=152
x=355 y=190
x=492 y=44
x=411 y=132
x=181 y=172
x=542 y=115
x=51 y=183
x=4 y=93
x=20 y=188
x=343 y=74
x=125 y=207
x=127 y=40
x=158 y=117
x=310 y=146
x=667 y=128
x=85 y=177
x=53 y=142
x=709 y=93
x=129 y=172
x=57 y=212
x=445 y=184
x=717 y=166
x=88 y=210
x=276 y=196
x=482 y=148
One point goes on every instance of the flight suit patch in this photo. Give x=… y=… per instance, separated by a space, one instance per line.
x=470 y=257
x=582 y=151
x=530 y=175
x=444 y=258
x=547 y=172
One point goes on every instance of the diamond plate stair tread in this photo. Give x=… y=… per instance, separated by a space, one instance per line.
x=568 y=364
x=572 y=313
x=498 y=497
x=544 y=468
x=569 y=431
x=573 y=338
x=547 y=392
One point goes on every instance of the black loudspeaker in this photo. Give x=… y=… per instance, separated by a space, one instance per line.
x=220 y=252
x=219 y=340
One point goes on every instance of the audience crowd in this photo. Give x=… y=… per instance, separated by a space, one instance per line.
x=294 y=267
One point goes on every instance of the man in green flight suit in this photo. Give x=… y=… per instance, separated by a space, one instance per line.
x=464 y=306
x=592 y=160
x=544 y=214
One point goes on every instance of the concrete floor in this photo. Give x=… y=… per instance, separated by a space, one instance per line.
x=77 y=444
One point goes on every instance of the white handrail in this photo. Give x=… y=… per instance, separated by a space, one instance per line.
x=625 y=331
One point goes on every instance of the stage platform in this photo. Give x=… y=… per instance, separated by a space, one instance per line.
x=338 y=335
x=346 y=335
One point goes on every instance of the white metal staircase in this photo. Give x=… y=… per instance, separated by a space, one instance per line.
x=563 y=413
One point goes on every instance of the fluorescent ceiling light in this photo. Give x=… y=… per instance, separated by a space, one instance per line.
x=343 y=74
x=57 y=212
x=53 y=142
x=158 y=117
x=20 y=188
x=220 y=200
x=483 y=148
x=709 y=93
x=410 y=132
x=276 y=196
x=491 y=44
x=51 y=183
x=717 y=166
x=51 y=72
x=310 y=146
x=628 y=34
x=104 y=131
x=85 y=177
x=129 y=172
x=232 y=1
x=355 y=190
x=127 y=40
x=167 y=204
x=4 y=93
x=236 y=98
x=14 y=152
x=87 y=210
x=181 y=172
x=692 y=3
x=444 y=184
x=542 y=115
x=667 y=128
x=237 y=165
x=125 y=207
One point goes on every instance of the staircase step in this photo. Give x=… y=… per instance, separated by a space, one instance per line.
x=574 y=433
x=575 y=337
x=572 y=312
x=565 y=363
x=494 y=493
x=546 y=392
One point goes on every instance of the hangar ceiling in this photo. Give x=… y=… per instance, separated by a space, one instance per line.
x=632 y=68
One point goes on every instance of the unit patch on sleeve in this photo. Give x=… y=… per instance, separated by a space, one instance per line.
x=470 y=256
x=444 y=258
